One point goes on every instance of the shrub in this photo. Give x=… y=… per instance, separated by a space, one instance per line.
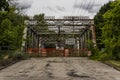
x=19 y=56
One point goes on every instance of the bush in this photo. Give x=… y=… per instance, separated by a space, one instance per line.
x=4 y=55
x=19 y=56
x=5 y=62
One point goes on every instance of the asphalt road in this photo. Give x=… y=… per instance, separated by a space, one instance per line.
x=59 y=68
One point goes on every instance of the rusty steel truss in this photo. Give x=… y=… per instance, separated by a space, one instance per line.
x=80 y=27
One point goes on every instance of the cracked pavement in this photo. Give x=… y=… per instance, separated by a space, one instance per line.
x=59 y=68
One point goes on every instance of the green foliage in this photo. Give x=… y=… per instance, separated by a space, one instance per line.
x=40 y=18
x=99 y=23
x=19 y=56
x=4 y=5
x=48 y=45
x=108 y=31
x=11 y=33
x=11 y=27
x=13 y=55
x=114 y=63
x=41 y=23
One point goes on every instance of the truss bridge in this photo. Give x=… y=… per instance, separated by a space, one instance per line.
x=68 y=36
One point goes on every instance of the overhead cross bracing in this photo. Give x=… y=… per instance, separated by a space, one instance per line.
x=68 y=24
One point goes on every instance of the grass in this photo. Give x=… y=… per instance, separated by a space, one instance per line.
x=115 y=62
x=13 y=55
x=8 y=58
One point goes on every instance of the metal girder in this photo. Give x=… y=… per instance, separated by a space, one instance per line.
x=72 y=22
x=69 y=19
x=56 y=33
x=63 y=25
x=85 y=29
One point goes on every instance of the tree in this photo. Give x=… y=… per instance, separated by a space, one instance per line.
x=99 y=23
x=108 y=31
x=11 y=26
x=111 y=30
x=41 y=22
x=4 y=5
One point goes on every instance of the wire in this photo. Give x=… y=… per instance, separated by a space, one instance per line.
x=73 y=7
x=99 y=2
x=87 y=7
x=80 y=7
x=91 y=5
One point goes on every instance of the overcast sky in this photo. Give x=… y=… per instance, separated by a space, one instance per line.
x=61 y=8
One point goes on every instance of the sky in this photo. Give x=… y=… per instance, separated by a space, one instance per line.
x=60 y=8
